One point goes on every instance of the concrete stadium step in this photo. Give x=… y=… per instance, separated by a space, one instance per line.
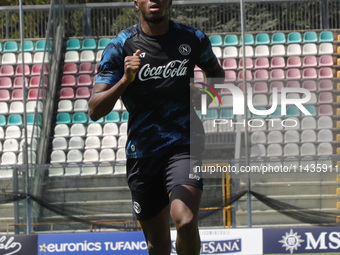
x=7 y=210
x=301 y=201
x=87 y=194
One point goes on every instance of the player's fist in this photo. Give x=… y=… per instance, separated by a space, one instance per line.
x=131 y=66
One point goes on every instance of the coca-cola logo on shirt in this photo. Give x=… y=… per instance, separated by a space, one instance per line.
x=173 y=68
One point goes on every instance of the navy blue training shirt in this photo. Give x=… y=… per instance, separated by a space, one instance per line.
x=161 y=115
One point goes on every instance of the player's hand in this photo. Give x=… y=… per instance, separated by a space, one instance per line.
x=131 y=66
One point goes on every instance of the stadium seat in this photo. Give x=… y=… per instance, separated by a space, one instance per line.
x=294 y=61
x=40 y=57
x=63 y=118
x=66 y=93
x=325 y=85
x=326 y=49
x=110 y=129
x=74 y=156
x=71 y=56
x=87 y=56
x=294 y=50
x=27 y=58
x=262 y=39
x=17 y=95
x=70 y=68
x=77 y=129
x=9 y=59
x=3 y=121
x=309 y=61
x=14 y=120
x=291 y=150
x=88 y=169
x=10 y=144
x=122 y=128
x=80 y=105
x=89 y=44
x=262 y=63
x=107 y=155
x=40 y=45
x=65 y=106
x=36 y=94
x=309 y=73
x=278 y=50
x=309 y=85
x=326 y=60
x=5 y=83
x=125 y=116
x=86 y=68
x=83 y=92
x=309 y=49
x=4 y=95
x=19 y=70
x=310 y=37
x=324 y=149
x=278 y=38
x=118 y=106
x=31 y=106
x=228 y=64
x=260 y=87
x=6 y=70
x=10 y=47
x=199 y=76
x=274 y=150
x=92 y=142
x=248 y=40
x=216 y=40
x=36 y=69
x=217 y=51
x=325 y=122
x=113 y=116
x=229 y=75
x=109 y=141
x=274 y=136
x=261 y=74
x=230 y=52
x=121 y=155
x=35 y=81
x=325 y=135
x=76 y=142
x=293 y=73
x=79 y=118
x=3 y=108
x=68 y=80
x=308 y=149
x=308 y=135
x=73 y=44
x=231 y=40
x=13 y=132
x=277 y=62
x=249 y=63
x=325 y=109
x=325 y=98
x=61 y=130
x=249 y=75
x=122 y=141
x=325 y=73
x=1 y=47
x=91 y=155
x=249 y=51
x=277 y=74
x=258 y=150
x=8 y=158
x=294 y=38
x=100 y=120
x=291 y=136
x=94 y=129
x=102 y=43
x=258 y=137
x=32 y=119
x=18 y=82
x=99 y=55
x=326 y=37
x=262 y=51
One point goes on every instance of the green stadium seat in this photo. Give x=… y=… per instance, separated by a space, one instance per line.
x=278 y=38
x=73 y=44
x=112 y=117
x=293 y=111
x=89 y=44
x=101 y=120
x=311 y=109
x=28 y=46
x=294 y=37
x=3 y=121
x=248 y=40
x=216 y=40
x=276 y=113
x=310 y=37
x=326 y=37
x=0 y=47
x=211 y=114
x=125 y=116
x=262 y=39
x=231 y=40
x=30 y=119
x=79 y=118
x=11 y=47
x=40 y=45
x=198 y=112
x=14 y=120
x=63 y=118
x=226 y=114
x=102 y=43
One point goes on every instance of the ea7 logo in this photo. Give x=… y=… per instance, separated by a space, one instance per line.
x=238 y=100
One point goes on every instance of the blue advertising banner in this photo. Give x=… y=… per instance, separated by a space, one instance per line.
x=301 y=240
x=18 y=244
x=93 y=243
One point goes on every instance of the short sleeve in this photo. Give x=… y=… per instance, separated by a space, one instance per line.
x=207 y=59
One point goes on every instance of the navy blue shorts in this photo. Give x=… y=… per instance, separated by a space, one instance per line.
x=152 y=179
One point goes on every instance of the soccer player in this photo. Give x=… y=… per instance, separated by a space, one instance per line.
x=149 y=66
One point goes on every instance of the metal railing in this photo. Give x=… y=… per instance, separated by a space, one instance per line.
x=217 y=16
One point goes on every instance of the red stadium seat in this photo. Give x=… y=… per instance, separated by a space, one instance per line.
x=6 y=70
x=86 y=68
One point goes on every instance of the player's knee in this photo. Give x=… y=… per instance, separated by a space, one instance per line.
x=186 y=226
x=159 y=247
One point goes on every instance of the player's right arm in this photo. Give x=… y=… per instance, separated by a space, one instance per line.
x=104 y=96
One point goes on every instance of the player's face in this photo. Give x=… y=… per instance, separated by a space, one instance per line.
x=154 y=11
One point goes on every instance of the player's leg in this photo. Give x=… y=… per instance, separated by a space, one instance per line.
x=157 y=233
x=184 y=207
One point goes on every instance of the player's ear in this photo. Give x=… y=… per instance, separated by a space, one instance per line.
x=136 y=4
